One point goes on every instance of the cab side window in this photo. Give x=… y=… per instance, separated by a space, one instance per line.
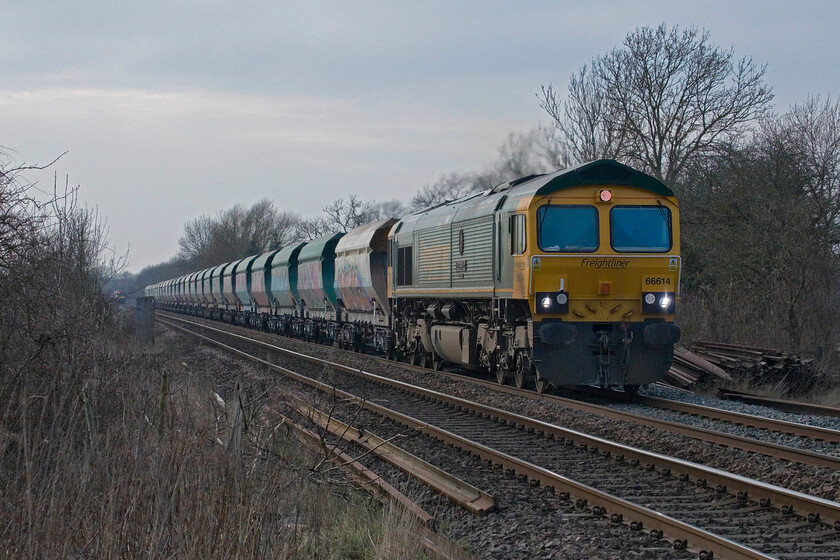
x=405 y=262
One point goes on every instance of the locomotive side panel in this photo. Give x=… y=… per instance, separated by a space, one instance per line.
x=472 y=248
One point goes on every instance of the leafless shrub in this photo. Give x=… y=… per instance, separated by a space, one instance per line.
x=761 y=237
x=108 y=450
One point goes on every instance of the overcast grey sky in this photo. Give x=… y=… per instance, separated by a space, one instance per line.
x=171 y=110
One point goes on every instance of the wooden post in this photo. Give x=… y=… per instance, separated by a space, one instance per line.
x=145 y=320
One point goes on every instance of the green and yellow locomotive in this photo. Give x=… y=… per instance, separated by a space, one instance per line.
x=567 y=278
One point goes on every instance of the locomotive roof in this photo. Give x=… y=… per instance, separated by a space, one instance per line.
x=599 y=172
x=507 y=195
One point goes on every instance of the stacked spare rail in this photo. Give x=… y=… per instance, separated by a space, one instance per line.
x=689 y=369
x=765 y=366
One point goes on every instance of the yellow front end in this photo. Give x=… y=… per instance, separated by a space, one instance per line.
x=601 y=273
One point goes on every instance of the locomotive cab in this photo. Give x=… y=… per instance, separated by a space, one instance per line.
x=601 y=274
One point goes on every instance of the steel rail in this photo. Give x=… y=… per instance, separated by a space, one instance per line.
x=464 y=494
x=828 y=511
x=674 y=528
x=753 y=420
x=752 y=445
x=365 y=478
x=743 y=443
x=797 y=407
x=436 y=545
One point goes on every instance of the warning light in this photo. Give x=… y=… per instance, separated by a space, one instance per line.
x=605 y=195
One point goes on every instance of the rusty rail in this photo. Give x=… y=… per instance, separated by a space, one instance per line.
x=796 y=407
x=675 y=529
x=464 y=494
x=436 y=545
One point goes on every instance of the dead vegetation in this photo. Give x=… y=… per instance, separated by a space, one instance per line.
x=109 y=449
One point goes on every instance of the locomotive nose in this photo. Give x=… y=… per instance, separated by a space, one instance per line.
x=559 y=334
x=661 y=333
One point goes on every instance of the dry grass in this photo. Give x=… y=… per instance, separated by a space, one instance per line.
x=130 y=460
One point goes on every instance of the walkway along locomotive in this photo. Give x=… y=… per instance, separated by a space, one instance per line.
x=566 y=278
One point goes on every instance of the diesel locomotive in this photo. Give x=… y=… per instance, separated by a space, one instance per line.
x=566 y=278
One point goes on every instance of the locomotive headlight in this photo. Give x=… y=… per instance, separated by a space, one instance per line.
x=552 y=302
x=658 y=303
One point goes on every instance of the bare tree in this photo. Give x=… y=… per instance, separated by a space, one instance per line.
x=447 y=187
x=521 y=154
x=392 y=209
x=535 y=151
x=760 y=236
x=195 y=242
x=664 y=97
x=350 y=214
x=810 y=132
x=22 y=216
x=585 y=122
x=311 y=228
x=235 y=233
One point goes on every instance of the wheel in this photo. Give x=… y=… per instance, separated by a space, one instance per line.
x=437 y=363
x=631 y=389
x=415 y=358
x=519 y=378
x=501 y=375
x=522 y=371
x=542 y=384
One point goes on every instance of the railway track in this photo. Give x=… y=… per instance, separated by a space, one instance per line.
x=618 y=478
x=786 y=405
x=763 y=444
x=752 y=420
x=807 y=447
x=434 y=544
